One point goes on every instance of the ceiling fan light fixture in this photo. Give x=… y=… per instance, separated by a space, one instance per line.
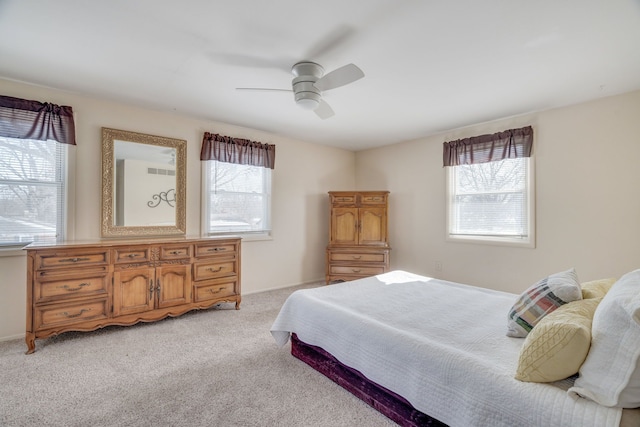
x=308 y=100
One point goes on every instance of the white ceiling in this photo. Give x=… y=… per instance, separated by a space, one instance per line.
x=430 y=66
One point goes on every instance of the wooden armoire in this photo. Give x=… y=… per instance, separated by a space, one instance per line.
x=358 y=238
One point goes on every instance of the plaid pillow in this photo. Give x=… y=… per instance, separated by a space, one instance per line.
x=541 y=299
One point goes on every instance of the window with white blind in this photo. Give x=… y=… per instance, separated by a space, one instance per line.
x=32 y=190
x=237 y=199
x=492 y=202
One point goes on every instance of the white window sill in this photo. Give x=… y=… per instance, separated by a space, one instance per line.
x=8 y=251
x=248 y=237
x=529 y=243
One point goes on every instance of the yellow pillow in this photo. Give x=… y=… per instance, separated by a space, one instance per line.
x=596 y=288
x=558 y=345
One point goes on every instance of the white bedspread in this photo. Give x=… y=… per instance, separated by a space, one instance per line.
x=440 y=345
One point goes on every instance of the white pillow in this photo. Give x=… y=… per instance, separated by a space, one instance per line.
x=541 y=299
x=610 y=375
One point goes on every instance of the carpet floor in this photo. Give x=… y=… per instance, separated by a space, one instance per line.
x=216 y=367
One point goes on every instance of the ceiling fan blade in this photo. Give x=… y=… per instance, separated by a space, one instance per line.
x=339 y=77
x=243 y=60
x=336 y=37
x=324 y=110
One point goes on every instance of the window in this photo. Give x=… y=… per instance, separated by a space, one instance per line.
x=491 y=201
x=237 y=198
x=236 y=185
x=32 y=190
x=490 y=188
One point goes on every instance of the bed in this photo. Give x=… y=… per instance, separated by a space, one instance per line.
x=428 y=352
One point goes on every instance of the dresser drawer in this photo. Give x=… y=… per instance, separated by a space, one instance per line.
x=52 y=260
x=214 y=290
x=361 y=270
x=212 y=249
x=48 y=316
x=131 y=254
x=357 y=257
x=175 y=252
x=71 y=286
x=212 y=270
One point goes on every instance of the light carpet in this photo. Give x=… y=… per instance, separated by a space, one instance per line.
x=216 y=367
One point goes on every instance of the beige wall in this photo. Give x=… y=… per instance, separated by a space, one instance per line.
x=588 y=202
x=304 y=173
x=588 y=205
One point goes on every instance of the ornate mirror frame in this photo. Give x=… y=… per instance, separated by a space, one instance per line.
x=109 y=228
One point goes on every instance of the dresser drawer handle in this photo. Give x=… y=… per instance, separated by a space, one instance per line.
x=216 y=291
x=356 y=256
x=132 y=255
x=73 y=259
x=355 y=270
x=71 y=316
x=175 y=252
x=215 y=270
x=216 y=249
x=80 y=286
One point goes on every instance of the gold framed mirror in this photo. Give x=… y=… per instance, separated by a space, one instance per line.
x=143 y=184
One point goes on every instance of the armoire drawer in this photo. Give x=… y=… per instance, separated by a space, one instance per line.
x=357 y=256
x=356 y=269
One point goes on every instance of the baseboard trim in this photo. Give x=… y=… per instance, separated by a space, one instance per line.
x=275 y=288
x=12 y=337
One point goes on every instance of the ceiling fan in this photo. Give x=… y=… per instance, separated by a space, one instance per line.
x=310 y=81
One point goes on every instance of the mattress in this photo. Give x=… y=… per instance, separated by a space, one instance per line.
x=440 y=345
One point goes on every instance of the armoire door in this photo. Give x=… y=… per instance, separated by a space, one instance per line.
x=344 y=223
x=372 y=226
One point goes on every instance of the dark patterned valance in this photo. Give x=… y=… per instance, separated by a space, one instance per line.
x=24 y=119
x=509 y=144
x=236 y=150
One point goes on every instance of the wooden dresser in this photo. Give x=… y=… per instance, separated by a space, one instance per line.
x=358 y=237
x=89 y=285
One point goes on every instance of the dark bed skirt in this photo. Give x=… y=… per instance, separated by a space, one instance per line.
x=384 y=401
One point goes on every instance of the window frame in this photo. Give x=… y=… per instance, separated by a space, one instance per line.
x=205 y=213
x=67 y=232
x=527 y=242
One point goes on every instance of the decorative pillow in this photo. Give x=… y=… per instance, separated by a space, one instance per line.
x=596 y=288
x=611 y=375
x=541 y=299
x=556 y=348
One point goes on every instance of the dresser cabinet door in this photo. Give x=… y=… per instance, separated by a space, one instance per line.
x=173 y=285
x=133 y=291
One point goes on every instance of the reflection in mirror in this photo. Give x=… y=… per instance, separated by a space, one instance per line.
x=143 y=184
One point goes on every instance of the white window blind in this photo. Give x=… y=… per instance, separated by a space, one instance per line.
x=32 y=190
x=238 y=198
x=491 y=201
